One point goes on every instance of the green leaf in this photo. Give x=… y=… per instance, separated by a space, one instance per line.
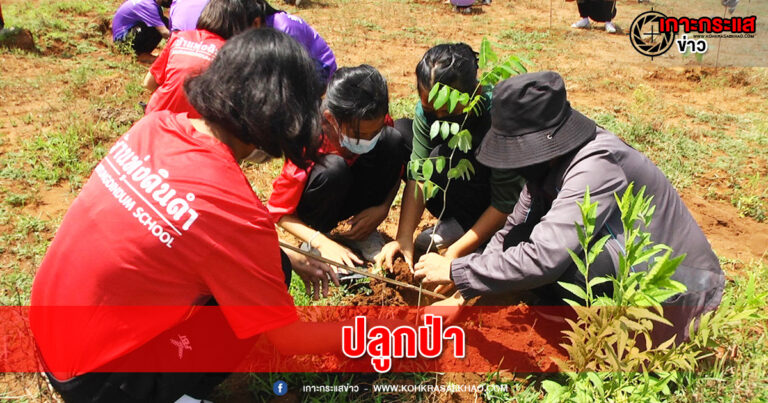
x=440 y=164
x=414 y=168
x=595 y=379
x=428 y=185
x=595 y=249
x=433 y=92
x=554 y=390
x=434 y=130
x=577 y=260
x=445 y=129
x=574 y=289
x=455 y=128
x=442 y=97
x=516 y=64
x=465 y=141
x=487 y=55
x=453 y=99
x=598 y=280
x=464 y=98
x=453 y=173
x=453 y=142
x=433 y=191
x=426 y=170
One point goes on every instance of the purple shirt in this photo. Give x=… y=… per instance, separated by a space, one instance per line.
x=185 y=13
x=132 y=12
x=307 y=37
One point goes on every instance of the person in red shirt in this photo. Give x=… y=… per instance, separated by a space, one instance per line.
x=358 y=174
x=188 y=53
x=168 y=221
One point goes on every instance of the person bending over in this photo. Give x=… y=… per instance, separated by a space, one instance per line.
x=188 y=53
x=168 y=222
x=474 y=208
x=142 y=24
x=357 y=176
x=562 y=153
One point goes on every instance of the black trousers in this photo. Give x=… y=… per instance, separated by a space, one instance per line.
x=157 y=387
x=597 y=10
x=336 y=191
x=466 y=199
x=554 y=294
x=144 y=39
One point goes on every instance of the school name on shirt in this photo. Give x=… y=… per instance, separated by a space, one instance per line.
x=150 y=187
x=382 y=344
x=196 y=49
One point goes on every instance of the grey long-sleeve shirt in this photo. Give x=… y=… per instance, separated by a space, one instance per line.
x=606 y=165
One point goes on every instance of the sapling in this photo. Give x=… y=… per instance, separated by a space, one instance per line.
x=459 y=138
x=610 y=351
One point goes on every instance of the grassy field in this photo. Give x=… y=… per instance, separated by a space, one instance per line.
x=707 y=129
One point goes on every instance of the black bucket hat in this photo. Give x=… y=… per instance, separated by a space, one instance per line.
x=532 y=122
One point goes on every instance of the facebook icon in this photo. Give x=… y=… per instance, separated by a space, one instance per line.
x=280 y=388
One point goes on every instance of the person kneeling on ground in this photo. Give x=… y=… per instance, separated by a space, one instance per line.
x=357 y=176
x=169 y=222
x=142 y=23
x=473 y=209
x=188 y=53
x=561 y=153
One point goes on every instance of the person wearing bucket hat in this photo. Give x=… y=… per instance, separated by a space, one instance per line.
x=562 y=153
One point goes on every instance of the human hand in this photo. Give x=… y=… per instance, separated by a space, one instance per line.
x=313 y=273
x=365 y=222
x=331 y=250
x=433 y=269
x=386 y=257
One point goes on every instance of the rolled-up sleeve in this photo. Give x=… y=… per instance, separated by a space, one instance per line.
x=544 y=259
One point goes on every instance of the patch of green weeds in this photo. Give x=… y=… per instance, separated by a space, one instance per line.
x=17 y=199
x=403 y=107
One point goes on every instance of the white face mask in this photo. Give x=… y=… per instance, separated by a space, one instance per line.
x=357 y=146
x=258 y=156
x=360 y=146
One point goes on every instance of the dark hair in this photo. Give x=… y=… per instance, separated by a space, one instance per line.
x=357 y=93
x=262 y=89
x=453 y=64
x=225 y=18
x=258 y=9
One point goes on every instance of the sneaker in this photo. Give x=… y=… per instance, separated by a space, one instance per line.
x=369 y=247
x=582 y=23
x=610 y=28
x=448 y=232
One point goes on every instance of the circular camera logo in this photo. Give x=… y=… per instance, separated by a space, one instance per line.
x=646 y=37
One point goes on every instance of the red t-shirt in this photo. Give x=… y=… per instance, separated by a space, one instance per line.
x=187 y=53
x=166 y=219
x=289 y=186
